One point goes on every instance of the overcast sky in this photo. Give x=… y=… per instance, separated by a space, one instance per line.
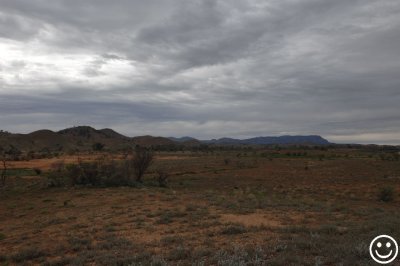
x=207 y=69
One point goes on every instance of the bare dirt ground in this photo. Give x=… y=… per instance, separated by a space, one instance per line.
x=219 y=209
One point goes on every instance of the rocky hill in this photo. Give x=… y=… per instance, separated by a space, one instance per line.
x=81 y=138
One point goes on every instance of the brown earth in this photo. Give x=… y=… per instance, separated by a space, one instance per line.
x=249 y=209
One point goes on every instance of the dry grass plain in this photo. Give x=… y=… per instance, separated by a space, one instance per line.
x=220 y=208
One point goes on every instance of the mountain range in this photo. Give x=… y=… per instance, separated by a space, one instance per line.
x=85 y=138
x=311 y=139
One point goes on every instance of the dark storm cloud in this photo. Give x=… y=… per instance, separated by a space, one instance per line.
x=203 y=68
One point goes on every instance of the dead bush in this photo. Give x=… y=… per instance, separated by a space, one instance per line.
x=141 y=161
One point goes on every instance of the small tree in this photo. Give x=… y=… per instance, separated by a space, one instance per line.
x=141 y=162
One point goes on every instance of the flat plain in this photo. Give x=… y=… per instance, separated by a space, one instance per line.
x=286 y=207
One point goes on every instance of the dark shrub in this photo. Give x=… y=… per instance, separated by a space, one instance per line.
x=234 y=229
x=162 y=178
x=37 y=171
x=104 y=172
x=84 y=173
x=101 y=172
x=386 y=194
x=57 y=179
x=141 y=162
x=98 y=146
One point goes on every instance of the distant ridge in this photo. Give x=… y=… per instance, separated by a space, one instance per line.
x=182 y=139
x=187 y=141
x=311 y=139
x=86 y=138
x=298 y=139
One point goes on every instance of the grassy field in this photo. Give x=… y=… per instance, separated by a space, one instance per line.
x=220 y=208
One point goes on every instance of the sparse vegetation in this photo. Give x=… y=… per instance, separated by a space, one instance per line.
x=179 y=253
x=27 y=254
x=212 y=213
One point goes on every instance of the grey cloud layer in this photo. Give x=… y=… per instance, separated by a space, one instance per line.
x=203 y=68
